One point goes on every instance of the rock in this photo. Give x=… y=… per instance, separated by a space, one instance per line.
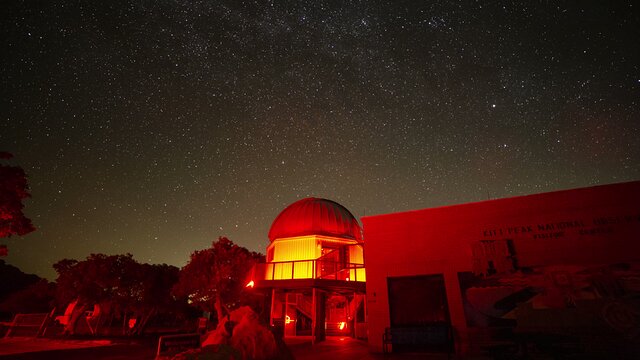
x=238 y=336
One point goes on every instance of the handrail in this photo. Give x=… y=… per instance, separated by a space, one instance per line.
x=308 y=269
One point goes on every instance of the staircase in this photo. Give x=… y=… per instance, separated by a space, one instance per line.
x=304 y=306
x=332 y=264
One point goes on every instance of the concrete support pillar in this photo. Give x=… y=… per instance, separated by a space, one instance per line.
x=313 y=316
x=319 y=316
x=273 y=302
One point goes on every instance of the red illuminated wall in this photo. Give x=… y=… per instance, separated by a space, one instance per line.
x=581 y=226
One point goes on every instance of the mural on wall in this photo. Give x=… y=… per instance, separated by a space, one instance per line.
x=568 y=299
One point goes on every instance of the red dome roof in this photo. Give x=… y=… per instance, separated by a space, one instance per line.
x=312 y=216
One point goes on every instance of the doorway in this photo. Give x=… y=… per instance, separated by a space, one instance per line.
x=419 y=313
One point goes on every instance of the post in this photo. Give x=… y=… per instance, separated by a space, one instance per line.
x=313 y=316
x=273 y=300
x=320 y=316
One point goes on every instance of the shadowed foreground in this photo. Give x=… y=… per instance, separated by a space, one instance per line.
x=36 y=349
x=344 y=348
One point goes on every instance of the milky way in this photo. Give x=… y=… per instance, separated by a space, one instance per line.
x=153 y=127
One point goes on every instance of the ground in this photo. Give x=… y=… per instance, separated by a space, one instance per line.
x=335 y=348
x=41 y=349
x=35 y=349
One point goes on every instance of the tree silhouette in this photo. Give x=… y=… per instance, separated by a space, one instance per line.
x=214 y=278
x=13 y=189
x=153 y=295
x=118 y=283
x=100 y=279
x=13 y=279
x=36 y=298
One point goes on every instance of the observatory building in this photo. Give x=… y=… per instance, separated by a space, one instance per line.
x=469 y=277
x=315 y=270
x=462 y=278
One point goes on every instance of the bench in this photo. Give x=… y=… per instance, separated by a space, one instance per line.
x=436 y=337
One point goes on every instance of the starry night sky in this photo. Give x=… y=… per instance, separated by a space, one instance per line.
x=153 y=127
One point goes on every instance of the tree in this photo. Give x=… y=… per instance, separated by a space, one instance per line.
x=13 y=189
x=13 y=279
x=101 y=279
x=98 y=278
x=36 y=298
x=153 y=295
x=214 y=278
x=119 y=285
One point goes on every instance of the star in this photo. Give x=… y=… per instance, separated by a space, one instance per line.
x=183 y=120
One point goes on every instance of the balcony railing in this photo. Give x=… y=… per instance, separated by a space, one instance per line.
x=309 y=269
